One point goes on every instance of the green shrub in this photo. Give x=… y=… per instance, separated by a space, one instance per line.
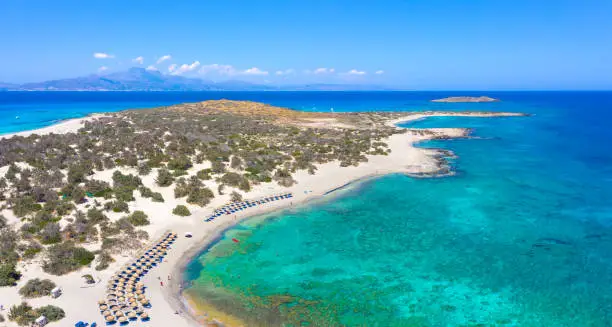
x=235 y=196
x=138 y=218
x=96 y=216
x=124 y=193
x=200 y=196
x=89 y=279
x=22 y=314
x=65 y=257
x=24 y=205
x=164 y=178
x=98 y=188
x=181 y=210
x=31 y=251
x=179 y=173
x=125 y=181
x=104 y=260
x=145 y=192
x=37 y=288
x=204 y=174
x=52 y=312
x=51 y=233
x=117 y=206
x=144 y=169
x=8 y=274
x=179 y=163
x=157 y=197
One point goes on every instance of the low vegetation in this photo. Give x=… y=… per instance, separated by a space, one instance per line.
x=25 y=315
x=66 y=257
x=181 y=210
x=37 y=288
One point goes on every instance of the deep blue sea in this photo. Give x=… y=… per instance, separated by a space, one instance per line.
x=520 y=236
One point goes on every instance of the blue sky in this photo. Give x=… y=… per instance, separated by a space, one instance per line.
x=427 y=44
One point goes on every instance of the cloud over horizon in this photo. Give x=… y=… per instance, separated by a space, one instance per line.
x=185 y=68
x=285 y=72
x=163 y=58
x=102 y=55
x=139 y=60
x=356 y=72
x=323 y=70
x=254 y=71
x=102 y=69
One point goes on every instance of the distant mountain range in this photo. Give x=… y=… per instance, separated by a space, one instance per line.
x=140 y=79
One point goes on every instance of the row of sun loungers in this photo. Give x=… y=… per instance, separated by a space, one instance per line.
x=236 y=207
x=125 y=296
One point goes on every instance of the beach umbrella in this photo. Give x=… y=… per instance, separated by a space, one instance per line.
x=119 y=313
x=101 y=302
x=144 y=301
x=109 y=318
x=121 y=299
x=139 y=292
x=144 y=316
x=103 y=307
x=141 y=297
x=106 y=313
x=114 y=307
x=110 y=296
x=122 y=319
x=132 y=314
x=139 y=310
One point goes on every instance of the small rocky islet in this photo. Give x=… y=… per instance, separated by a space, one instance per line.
x=466 y=99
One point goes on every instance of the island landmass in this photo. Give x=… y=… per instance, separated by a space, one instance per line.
x=82 y=200
x=467 y=99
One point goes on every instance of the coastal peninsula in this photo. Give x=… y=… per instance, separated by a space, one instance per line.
x=467 y=99
x=81 y=200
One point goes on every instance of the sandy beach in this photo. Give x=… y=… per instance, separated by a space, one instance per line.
x=169 y=308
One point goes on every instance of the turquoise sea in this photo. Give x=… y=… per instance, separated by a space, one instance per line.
x=520 y=236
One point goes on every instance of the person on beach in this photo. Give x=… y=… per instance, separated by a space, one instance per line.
x=168 y=277
x=161 y=283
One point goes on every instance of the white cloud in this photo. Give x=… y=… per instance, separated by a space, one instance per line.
x=138 y=60
x=102 y=69
x=163 y=58
x=219 y=69
x=356 y=72
x=379 y=72
x=184 y=68
x=285 y=72
x=323 y=70
x=102 y=55
x=229 y=70
x=254 y=71
x=152 y=68
x=172 y=68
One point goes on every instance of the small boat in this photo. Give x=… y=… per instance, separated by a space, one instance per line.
x=235 y=240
